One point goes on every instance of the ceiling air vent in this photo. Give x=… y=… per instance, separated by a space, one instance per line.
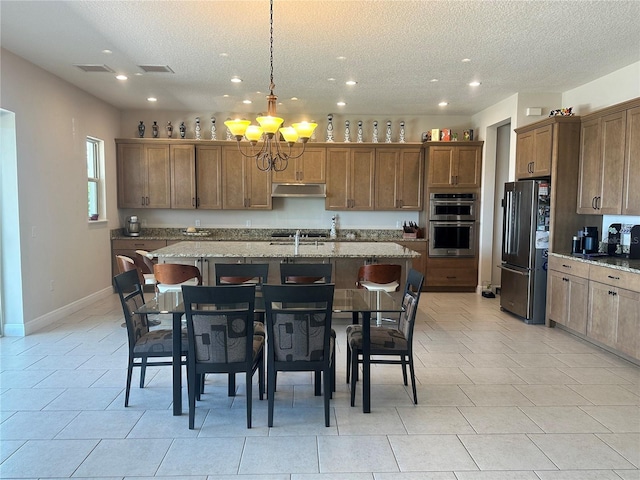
x=156 y=68
x=90 y=68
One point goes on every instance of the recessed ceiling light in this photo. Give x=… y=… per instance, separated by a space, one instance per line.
x=474 y=84
x=433 y=80
x=226 y=95
x=246 y=102
x=351 y=82
x=341 y=58
x=106 y=51
x=152 y=99
x=331 y=79
x=138 y=74
x=465 y=60
x=341 y=104
x=122 y=77
x=443 y=104
x=224 y=55
x=294 y=98
x=236 y=80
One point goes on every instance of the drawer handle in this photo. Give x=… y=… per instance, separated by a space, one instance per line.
x=451 y=277
x=613 y=278
x=611 y=292
x=565 y=279
x=566 y=266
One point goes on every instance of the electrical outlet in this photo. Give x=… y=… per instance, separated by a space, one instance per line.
x=197 y=223
x=248 y=224
x=51 y=285
x=398 y=224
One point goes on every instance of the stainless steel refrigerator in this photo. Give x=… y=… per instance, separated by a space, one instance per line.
x=525 y=248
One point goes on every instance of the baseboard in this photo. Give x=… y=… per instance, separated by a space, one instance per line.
x=21 y=330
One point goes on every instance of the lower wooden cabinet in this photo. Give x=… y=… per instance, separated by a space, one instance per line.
x=451 y=274
x=418 y=263
x=599 y=302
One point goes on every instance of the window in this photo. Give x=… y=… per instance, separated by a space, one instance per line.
x=95 y=169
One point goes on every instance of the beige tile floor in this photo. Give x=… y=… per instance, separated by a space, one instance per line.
x=498 y=400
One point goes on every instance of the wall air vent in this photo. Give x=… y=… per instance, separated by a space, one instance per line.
x=89 y=68
x=156 y=68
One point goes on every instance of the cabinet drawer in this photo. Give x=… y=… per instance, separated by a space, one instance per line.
x=569 y=266
x=138 y=244
x=451 y=277
x=615 y=277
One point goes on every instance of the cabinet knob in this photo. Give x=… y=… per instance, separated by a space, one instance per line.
x=613 y=277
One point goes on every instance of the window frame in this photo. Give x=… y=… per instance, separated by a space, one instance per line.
x=96 y=147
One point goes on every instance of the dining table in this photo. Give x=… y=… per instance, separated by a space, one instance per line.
x=360 y=303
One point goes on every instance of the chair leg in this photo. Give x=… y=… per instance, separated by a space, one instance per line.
x=327 y=395
x=348 y=362
x=128 y=387
x=271 y=392
x=143 y=370
x=333 y=371
x=354 y=378
x=193 y=382
x=261 y=377
x=232 y=385
x=317 y=375
x=249 y=396
x=413 y=380
x=403 y=362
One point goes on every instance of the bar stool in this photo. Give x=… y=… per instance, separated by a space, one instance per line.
x=379 y=277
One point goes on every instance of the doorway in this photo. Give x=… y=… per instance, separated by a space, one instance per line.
x=503 y=145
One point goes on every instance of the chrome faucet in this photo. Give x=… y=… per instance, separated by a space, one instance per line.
x=296 y=239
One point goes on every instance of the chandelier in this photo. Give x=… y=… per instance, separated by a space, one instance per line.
x=272 y=154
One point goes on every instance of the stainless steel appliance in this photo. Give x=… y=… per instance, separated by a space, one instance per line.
x=452 y=224
x=132 y=228
x=525 y=247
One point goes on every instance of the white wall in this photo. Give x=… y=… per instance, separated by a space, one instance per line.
x=52 y=120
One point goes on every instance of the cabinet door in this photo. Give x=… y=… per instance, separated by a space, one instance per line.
x=209 y=177
x=183 y=176
x=557 y=297
x=233 y=172
x=312 y=165
x=440 y=166
x=603 y=305
x=158 y=176
x=388 y=184
x=467 y=167
x=567 y=297
x=337 y=179
x=524 y=154
x=131 y=175
x=612 y=169
x=419 y=263
x=410 y=178
x=631 y=191
x=628 y=324
x=590 y=165
x=362 y=178
x=257 y=186
x=543 y=140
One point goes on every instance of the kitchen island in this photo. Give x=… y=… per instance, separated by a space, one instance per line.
x=346 y=257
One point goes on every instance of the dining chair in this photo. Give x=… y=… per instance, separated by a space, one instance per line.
x=388 y=341
x=170 y=277
x=144 y=344
x=299 y=335
x=379 y=277
x=145 y=264
x=241 y=273
x=305 y=273
x=310 y=273
x=126 y=264
x=222 y=339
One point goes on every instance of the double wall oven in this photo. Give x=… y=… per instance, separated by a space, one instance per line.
x=452 y=224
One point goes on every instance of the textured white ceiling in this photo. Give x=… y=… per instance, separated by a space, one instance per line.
x=391 y=48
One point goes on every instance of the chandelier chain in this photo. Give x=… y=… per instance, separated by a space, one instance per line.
x=271 y=84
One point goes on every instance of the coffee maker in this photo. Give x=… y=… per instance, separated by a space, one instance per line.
x=132 y=228
x=586 y=241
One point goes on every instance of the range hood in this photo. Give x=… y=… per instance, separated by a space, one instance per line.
x=299 y=190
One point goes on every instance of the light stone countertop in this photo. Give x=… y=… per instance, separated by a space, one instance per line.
x=619 y=263
x=307 y=249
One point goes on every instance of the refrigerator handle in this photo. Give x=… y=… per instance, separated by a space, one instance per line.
x=517 y=272
x=506 y=244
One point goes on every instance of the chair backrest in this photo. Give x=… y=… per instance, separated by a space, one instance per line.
x=410 y=300
x=126 y=264
x=305 y=272
x=129 y=290
x=220 y=322
x=175 y=273
x=382 y=273
x=299 y=322
x=144 y=263
x=241 y=273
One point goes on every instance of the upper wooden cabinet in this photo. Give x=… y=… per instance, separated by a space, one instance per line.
x=144 y=175
x=399 y=176
x=534 y=152
x=609 y=161
x=350 y=178
x=245 y=187
x=209 y=177
x=454 y=164
x=183 y=176
x=631 y=189
x=308 y=168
